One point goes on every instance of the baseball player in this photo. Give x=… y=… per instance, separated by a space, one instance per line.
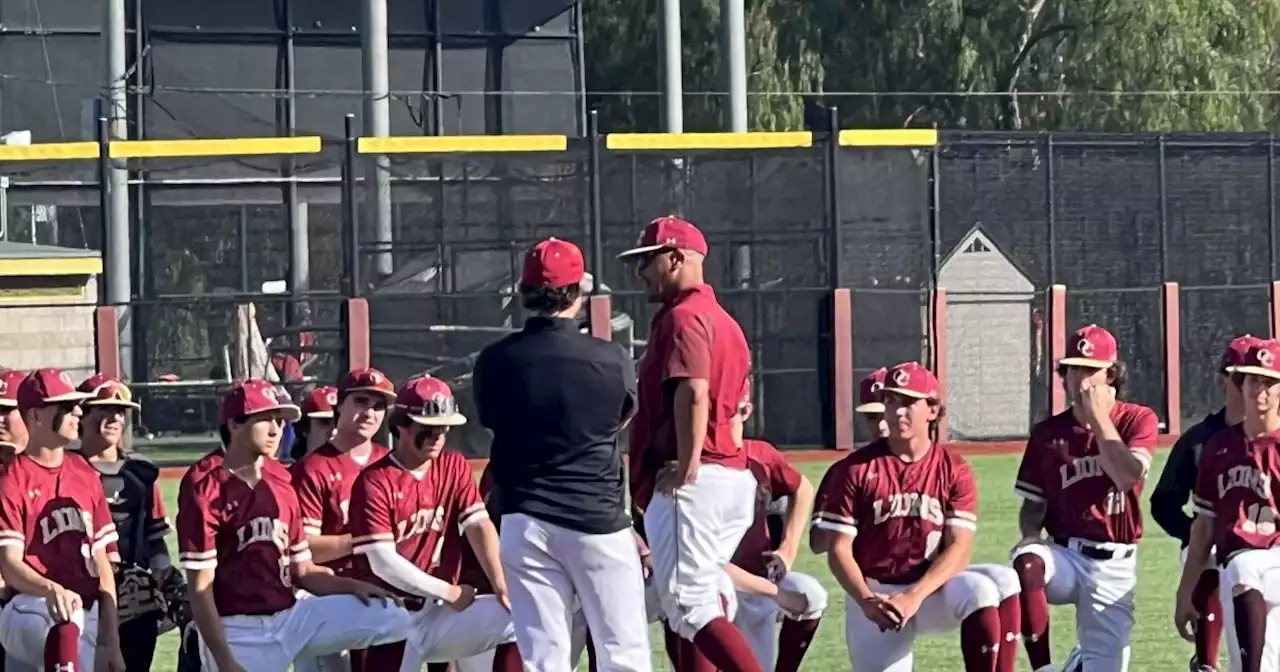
x=759 y=610
x=1081 y=483
x=243 y=546
x=870 y=405
x=695 y=490
x=316 y=427
x=1175 y=487
x=409 y=514
x=1237 y=504
x=13 y=433
x=130 y=482
x=55 y=536
x=323 y=478
x=902 y=513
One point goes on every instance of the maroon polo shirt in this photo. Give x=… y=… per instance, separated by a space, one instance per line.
x=692 y=336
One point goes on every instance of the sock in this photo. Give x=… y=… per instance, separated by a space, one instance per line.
x=381 y=657
x=980 y=636
x=1209 y=627
x=442 y=667
x=1251 y=626
x=62 y=648
x=692 y=660
x=793 y=642
x=724 y=645
x=671 y=642
x=506 y=658
x=1035 y=609
x=1010 y=611
x=591 y=654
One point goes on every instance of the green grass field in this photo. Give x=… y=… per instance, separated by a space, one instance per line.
x=1155 y=644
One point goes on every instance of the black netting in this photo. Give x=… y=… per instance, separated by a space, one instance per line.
x=1212 y=316
x=49 y=86
x=889 y=326
x=1135 y=317
x=884 y=195
x=63 y=217
x=50 y=15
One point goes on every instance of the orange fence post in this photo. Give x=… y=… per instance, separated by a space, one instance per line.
x=600 y=314
x=1275 y=309
x=939 y=337
x=106 y=329
x=1057 y=346
x=358 y=337
x=1172 y=358
x=842 y=385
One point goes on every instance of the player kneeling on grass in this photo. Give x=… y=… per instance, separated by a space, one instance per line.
x=55 y=536
x=242 y=544
x=1081 y=482
x=768 y=591
x=409 y=513
x=901 y=513
x=1236 y=502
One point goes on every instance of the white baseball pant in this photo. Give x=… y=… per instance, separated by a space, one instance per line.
x=439 y=634
x=758 y=615
x=1258 y=570
x=1102 y=592
x=550 y=570
x=692 y=534
x=24 y=626
x=977 y=587
x=316 y=626
x=483 y=662
x=333 y=662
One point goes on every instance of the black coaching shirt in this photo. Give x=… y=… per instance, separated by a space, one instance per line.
x=1178 y=480
x=556 y=400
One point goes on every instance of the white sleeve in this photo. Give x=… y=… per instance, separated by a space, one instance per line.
x=396 y=570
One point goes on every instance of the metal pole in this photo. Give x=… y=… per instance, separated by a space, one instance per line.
x=671 y=58
x=351 y=218
x=1271 y=205
x=833 y=197
x=299 y=252
x=597 y=216
x=118 y=261
x=733 y=63
x=377 y=123
x=1164 y=211
x=104 y=201
x=1050 y=212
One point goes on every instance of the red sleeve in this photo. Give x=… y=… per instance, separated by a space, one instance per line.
x=1204 y=499
x=1142 y=433
x=311 y=497
x=835 y=508
x=467 y=500
x=690 y=354
x=13 y=513
x=299 y=549
x=197 y=529
x=370 y=513
x=784 y=479
x=158 y=525
x=961 y=507
x=1030 y=480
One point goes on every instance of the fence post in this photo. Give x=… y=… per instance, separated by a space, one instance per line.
x=1057 y=347
x=1275 y=309
x=1172 y=358
x=595 y=214
x=356 y=314
x=939 y=344
x=106 y=329
x=351 y=214
x=600 y=316
x=842 y=385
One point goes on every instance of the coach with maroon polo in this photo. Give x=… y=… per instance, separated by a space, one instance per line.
x=556 y=400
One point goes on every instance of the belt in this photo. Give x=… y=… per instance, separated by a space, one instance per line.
x=418 y=603
x=1095 y=552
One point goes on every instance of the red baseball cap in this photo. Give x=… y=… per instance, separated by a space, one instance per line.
x=366 y=380
x=10 y=379
x=1091 y=346
x=668 y=233
x=47 y=386
x=869 y=400
x=429 y=401
x=1263 y=359
x=254 y=396
x=321 y=402
x=107 y=391
x=1237 y=352
x=553 y=263
x=912 y=379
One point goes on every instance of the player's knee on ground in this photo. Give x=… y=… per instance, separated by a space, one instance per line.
x=815 y=595
x=1251 y=570
x=969 y=592
x=1030 y=569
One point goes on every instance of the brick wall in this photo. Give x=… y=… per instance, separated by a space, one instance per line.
x=50 y=326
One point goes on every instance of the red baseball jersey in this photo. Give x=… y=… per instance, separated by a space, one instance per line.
x=1236 y=489
x=323 y=480
x=690 y=337
x=251 y=536
x=897 y=511
x=59 y=517
x=775 y=477
x=1061 y=467
x=472 y=573
x=423 y=512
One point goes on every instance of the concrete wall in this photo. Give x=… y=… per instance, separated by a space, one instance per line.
x=49 y=325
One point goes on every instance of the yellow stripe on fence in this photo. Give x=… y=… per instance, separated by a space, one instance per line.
x=889 y=137
x=167 y=149
x=450 y=144
x=49 y=151
x=661 y=141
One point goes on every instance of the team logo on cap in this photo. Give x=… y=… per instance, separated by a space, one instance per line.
x=331 y=398
x=877 y=386
x=1085 y=347
x=901 y=378
x=4 y=387
x=1266 y=358
x=375 y=377
x=279 y=395
x=66 y=377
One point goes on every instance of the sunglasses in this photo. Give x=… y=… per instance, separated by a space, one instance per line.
x=643 y=261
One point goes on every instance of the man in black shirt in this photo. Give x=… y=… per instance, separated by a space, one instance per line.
x=556 y=400
x=1174 y=489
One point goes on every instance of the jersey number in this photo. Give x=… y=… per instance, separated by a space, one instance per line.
x=1259 y=519
x=1116 y=503
x=932 y=544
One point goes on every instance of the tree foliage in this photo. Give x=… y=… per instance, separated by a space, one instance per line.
x=1205 y=65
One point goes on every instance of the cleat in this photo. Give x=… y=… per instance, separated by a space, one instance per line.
x=1195 y=666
